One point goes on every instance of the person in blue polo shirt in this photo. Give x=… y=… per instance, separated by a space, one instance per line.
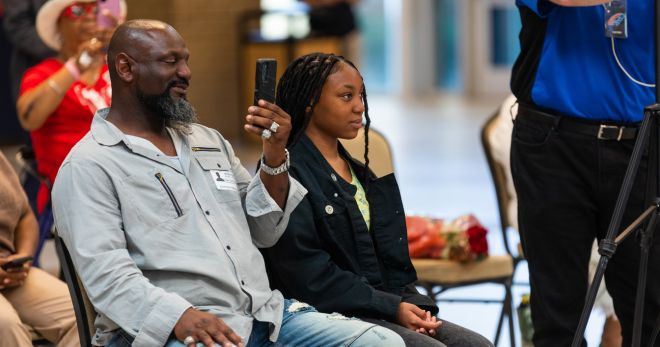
x=582 y=93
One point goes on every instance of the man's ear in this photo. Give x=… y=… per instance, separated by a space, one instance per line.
x=125 y=67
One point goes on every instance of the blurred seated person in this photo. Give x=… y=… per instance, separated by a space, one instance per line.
x=345 y=248
x=336 y=18
x=331 y=17
x=27 y=48
x=28 y=295
x=58 y=97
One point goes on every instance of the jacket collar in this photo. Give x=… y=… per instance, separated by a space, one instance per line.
x=306 y=152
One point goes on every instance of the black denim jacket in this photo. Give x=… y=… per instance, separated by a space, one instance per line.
x=328 y=258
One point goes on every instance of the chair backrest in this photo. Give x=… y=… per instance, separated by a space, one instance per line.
x=28 y=162
x=380 y=152
x=499 y=175
x=85 y=313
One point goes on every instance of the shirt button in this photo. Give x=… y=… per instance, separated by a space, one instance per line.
x=208 y=212
x=334 y=178
x=242 y=282
x=219 y=165
x=229 y=247
x=329 y=209
x=400 y=239
x=336 y=195
x=397 y=212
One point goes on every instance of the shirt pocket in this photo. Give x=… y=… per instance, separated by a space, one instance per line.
x=157 y=195
x=219 y=176
x=337 y=221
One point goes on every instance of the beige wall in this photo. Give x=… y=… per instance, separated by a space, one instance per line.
x=210 y=28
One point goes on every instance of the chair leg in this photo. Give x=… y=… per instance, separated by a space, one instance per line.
x=498 y=330
x=509 y=307
x=507 y=310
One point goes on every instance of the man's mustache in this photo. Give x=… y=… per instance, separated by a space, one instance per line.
x=177 y=83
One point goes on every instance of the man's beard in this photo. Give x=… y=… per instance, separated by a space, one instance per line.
x=176 y=114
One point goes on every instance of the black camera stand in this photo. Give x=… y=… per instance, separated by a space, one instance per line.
x=647 y=138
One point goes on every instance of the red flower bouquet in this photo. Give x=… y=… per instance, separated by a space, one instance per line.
x=462 y=239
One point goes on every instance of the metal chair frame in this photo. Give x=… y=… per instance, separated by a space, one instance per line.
x=435 y=289
x=85 y=313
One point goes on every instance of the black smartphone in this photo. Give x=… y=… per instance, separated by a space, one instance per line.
x=16 y=263
x=265 y=79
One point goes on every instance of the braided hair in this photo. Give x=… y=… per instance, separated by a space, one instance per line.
x=303 y=81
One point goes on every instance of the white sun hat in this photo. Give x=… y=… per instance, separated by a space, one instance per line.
x=48 y=16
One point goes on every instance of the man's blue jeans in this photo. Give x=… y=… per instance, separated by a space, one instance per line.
x=304 y=326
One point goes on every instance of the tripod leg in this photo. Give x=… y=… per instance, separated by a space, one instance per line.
x=646 y=235
x=645 y=245
x=656 y=330
x=589 y=303
x=607 y=247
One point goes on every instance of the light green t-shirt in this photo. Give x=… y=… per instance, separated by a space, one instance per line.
x=361 y=198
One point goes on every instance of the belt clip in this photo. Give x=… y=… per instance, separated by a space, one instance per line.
x=601 y=131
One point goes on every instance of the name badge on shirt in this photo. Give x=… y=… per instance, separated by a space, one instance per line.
x=616 y=19
x=224 y=180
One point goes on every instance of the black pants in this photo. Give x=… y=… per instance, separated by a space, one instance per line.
x=448 y=335
x=567 y=185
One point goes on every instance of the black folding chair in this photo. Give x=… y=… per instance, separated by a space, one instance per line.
x=85 y=313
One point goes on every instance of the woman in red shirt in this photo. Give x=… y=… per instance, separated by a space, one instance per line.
x=59 y=96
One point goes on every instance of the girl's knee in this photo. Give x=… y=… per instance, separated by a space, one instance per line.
x=379 y=336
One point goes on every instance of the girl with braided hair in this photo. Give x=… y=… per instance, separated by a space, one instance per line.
x=345 y=248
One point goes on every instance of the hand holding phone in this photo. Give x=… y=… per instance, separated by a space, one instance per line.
x=267 y=119
x=16 y=263
x=106 y=7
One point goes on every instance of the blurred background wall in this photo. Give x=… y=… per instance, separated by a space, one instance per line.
x=406 y=48
x=210 y=29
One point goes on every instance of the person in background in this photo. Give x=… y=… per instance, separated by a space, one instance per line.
x=336 y=18
x=28 y=48
x=500 y=142
x=28 y=296
x=345 y=249
x=581 y=98
x=58 y=97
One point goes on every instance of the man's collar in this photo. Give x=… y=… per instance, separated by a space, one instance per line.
x=104 y=132
x=107 y=134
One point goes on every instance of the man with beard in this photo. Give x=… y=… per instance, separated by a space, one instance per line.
x=163 y=222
